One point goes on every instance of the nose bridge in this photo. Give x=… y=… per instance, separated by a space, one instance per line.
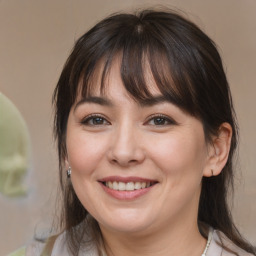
x=126 y=147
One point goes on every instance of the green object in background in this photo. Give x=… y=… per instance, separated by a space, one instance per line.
x=14 y=149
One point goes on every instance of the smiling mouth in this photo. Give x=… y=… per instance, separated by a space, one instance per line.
x=127 y=186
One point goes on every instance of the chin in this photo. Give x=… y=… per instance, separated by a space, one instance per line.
x=127 y=222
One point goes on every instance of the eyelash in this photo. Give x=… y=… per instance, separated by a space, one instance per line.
x=162 y=118
x=93 y=117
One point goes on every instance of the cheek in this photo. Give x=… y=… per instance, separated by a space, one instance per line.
x=84 y=151
x=180 y=160
x=179 y=155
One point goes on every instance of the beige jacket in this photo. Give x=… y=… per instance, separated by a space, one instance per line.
x=57 y=247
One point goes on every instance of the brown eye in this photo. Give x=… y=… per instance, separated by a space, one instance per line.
x=95 y=120
x=160 y=120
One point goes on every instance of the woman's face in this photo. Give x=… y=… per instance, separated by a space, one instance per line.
x=135 y=167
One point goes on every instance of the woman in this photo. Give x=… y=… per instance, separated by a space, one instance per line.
x=147 y=133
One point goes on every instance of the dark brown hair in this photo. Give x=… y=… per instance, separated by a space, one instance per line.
x=188 y=71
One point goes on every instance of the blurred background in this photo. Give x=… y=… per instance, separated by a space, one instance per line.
x=35 y=40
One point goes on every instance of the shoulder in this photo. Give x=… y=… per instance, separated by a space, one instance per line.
x=60 y=247
x=35 y=248
x=19 y=252
x=223 y=246
x=55 y=246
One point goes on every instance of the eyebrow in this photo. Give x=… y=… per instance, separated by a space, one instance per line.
x=106 y=102
x=158 y=99
x=93 y=99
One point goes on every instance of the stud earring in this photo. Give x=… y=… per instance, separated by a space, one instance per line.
x=69 y=172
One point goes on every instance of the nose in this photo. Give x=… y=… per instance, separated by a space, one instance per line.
x=126 y=148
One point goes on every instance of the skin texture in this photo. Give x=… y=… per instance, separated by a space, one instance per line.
x=159 y=142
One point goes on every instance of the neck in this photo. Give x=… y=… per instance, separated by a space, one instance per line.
x=174 y=240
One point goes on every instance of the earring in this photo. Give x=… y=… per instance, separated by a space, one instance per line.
x=212 y=172
x=69 y=172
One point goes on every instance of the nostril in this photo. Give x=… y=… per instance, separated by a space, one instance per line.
x=124 y=162
x=114 y=161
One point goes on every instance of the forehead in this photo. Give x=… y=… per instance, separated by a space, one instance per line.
x=106 y=80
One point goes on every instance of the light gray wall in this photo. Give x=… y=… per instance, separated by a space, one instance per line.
x=36 y=37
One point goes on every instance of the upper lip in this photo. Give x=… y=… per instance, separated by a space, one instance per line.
x=126 y=179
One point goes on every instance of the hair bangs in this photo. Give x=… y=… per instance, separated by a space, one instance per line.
x=142 y=58
x=126 y=47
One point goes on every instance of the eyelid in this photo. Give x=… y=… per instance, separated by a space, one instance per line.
x=170 y=120
x=85 y=120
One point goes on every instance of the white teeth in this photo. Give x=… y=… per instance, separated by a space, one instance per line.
x=129 y=186
x=137 y=185
x=115 y=185
x=122 y=186
x=109 y=184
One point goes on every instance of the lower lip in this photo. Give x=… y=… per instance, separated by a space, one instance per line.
x=126 y=195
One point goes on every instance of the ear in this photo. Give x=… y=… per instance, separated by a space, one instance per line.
x=218 y=151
